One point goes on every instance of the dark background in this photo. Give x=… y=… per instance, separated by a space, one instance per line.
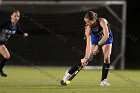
x=132 y=48
x=65 y=44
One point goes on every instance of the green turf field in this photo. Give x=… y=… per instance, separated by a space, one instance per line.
x=46 y=80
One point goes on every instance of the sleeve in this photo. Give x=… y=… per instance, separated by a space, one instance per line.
x=19 y=30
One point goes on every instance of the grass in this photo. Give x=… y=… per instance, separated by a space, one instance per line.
x=46 y=80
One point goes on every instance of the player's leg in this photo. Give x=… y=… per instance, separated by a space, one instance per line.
x=4 y=56
x=106 y=65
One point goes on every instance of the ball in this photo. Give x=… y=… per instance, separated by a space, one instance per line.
x=68 y=82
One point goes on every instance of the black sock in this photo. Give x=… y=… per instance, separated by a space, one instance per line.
x=105 y=70
x=74 y=68
x=1 y=66
x=2 y=62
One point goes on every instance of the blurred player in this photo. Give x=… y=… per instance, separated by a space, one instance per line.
x=7 y=29
x=98 y=34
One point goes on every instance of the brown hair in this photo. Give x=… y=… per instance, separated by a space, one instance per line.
x=91 y=15
x=15 y=11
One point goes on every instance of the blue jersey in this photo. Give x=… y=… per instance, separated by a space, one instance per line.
x=7 y=29
x=97 y=34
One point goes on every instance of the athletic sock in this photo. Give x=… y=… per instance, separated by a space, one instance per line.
x=105 y=70
x=1 y=66
x=2 y=62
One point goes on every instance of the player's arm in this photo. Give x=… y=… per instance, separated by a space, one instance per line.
x=87 y=52
x=103 y=23
x=88 y=35
x=20 y=32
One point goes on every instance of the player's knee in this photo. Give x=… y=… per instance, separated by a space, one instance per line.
x=7 y=56
x=106 y=59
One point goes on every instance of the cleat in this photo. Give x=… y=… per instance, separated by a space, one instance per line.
x=3 y=74
x=63 y=83
x=105 y=83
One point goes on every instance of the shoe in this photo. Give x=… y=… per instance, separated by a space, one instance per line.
x=3 y=74
x=105 y=83
x=63 y=83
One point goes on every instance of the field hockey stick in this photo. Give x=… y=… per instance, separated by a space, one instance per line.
x=81 y=67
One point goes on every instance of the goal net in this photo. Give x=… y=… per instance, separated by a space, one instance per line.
x=56 y=30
